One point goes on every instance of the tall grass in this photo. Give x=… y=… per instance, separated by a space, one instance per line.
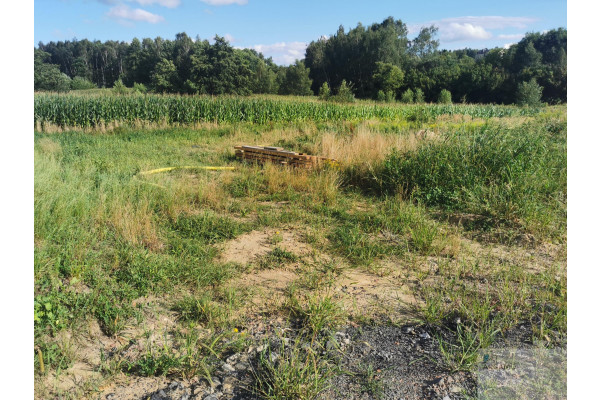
x=517 y=175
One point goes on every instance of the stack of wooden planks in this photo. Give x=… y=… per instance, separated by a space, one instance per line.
x=278 y=155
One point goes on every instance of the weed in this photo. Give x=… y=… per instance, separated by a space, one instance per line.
x=423 y=236
x=313 y=313
x=356 y=245
x=55 y=355
x=295 y=373
x=462 y=354
x=276 y=258
x=371 y=383
x=201 y=309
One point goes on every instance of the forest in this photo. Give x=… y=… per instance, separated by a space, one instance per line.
x=377 y=62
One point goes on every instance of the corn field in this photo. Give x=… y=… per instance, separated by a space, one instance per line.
x=68 y=110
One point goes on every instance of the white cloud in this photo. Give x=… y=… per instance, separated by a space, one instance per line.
x=516 y=36
x=224 y=2
x=492 y=22
x=455 y=32
x=507 y=46
x=164 y=3
x=283 y=53
x=229 y=38
x=473 y=28
x=124 y=13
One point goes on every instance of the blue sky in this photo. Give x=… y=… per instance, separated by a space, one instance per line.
x=282 y=29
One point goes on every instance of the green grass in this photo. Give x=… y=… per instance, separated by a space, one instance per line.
x=314 y=313
x=514 y=176
x=473 y=314
x=298 y=372
x=109 y=243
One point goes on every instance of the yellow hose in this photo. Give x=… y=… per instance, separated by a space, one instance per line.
x=158 y=170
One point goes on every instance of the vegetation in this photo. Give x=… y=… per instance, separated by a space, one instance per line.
x=89 y=111
x=529 y=94
x=373 y=59
x=445 y=97
x=382 y=57
x=459 y=209
x=122 y=252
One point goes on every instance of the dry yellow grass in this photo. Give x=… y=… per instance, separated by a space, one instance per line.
x=134 y=223
x=364 y=147
x=49 y=146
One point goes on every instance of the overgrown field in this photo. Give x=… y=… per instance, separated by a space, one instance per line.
x=445 y=219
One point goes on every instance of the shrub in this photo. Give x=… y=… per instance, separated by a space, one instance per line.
x=80 y=83
x=344 y=94
x=140 y=88
x=324 y=92
x=380 y=95
x=445 y=97
x=390 y=96
x=529 y=94
x=119 y=87
x=407 y=96
x=419 y=96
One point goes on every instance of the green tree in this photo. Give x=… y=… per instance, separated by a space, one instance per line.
x=80 y=83
x=140 y=88
x=220 y=69
x=119 y=87
x=296 y=80
x=529 y=94
x=419 y=96
x=408 y=96
x=352 y=55
x=48 y=76
x=163 y=76
x=445 y=97
x=424 y=45
x=324 y=92
x=345 y=93
x=387 y=77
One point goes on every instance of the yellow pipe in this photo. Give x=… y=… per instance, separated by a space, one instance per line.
x=158 y=170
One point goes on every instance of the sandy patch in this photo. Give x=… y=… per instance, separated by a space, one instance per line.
x=365 y=294
x=248 y=247
x=267 y=288
x=133 y=388
x=533 y=259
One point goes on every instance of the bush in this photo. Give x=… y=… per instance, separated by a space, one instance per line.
x=445 y=97
x=380 y=96
x=408 y=96
x=419 y=96
x=344 y=94
x=390 y=96
x=324 y=92
x=119 y=87
x=140 y=88
x=80 y=83
x=529 y=94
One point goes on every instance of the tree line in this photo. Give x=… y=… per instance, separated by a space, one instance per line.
x=378 y=62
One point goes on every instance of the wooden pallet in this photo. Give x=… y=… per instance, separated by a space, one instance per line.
x=278 y=155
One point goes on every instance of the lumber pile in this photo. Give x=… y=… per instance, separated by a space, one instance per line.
x=278 y=155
